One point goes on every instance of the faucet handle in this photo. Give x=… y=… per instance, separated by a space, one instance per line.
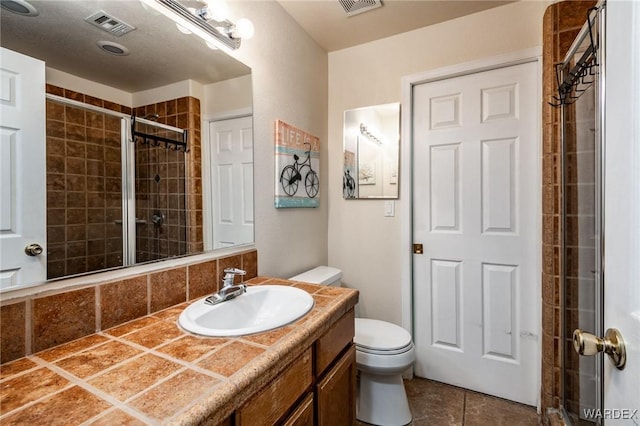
x=230 y=274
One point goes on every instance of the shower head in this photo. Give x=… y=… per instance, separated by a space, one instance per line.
x=151 y=116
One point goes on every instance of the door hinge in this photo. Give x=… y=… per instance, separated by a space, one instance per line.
x=417 y=249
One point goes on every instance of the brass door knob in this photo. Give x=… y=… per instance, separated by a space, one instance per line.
x=33 y=249
x=612 y=344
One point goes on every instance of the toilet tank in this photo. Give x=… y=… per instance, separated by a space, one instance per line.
x=323 y=275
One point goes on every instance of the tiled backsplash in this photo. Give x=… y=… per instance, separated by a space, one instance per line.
x=44 y=321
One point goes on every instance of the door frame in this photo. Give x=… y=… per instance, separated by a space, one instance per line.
x=406 y=159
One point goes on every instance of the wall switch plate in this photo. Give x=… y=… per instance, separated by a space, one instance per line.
x=389 y=208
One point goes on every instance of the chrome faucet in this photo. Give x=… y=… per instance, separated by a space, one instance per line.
x=229 y=290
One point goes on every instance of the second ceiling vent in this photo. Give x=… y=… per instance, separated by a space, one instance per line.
x=110 y=24
x=354 y=7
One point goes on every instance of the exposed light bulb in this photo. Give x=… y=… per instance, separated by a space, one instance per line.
x=244 y=29
x=217 y=10
x=211 y=45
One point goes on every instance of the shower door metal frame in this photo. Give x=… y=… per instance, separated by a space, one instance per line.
x=599 y=21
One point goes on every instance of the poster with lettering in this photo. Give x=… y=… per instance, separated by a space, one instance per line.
x=297 y=167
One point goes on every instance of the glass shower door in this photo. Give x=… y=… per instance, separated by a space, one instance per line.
x=84 y=189
x=582 y=219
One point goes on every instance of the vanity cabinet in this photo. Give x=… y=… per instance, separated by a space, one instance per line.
x=317 y=388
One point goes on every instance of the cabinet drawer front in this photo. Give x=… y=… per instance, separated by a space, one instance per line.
x=329 y=346
x=273 y=401
x=303 y=415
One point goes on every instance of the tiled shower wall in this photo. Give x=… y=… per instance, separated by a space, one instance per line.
x=47 y=320
x=84 y=201
x=161 y=184
x=562 y=22
x=84 y=188
x=161 y=218
x=185 y=114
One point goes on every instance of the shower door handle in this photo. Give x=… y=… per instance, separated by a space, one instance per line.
x=612 y=344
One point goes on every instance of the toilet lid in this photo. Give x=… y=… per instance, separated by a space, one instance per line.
x=380 y=335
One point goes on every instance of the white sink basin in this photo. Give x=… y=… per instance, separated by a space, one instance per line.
x=261 y=308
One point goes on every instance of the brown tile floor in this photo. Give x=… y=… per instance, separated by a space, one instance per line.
x=436 y=404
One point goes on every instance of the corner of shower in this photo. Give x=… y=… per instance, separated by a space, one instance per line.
x=158 y=188
x=581 y=91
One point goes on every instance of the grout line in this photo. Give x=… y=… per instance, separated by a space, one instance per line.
x=191 y=365
x=98 y=309
x=464 y=407
x=148 y=276
x=28 y=325
x=83 y=383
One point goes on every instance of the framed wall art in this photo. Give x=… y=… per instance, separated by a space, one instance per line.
x=297 y=167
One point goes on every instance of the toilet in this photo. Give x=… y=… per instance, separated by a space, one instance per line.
x=383 y=352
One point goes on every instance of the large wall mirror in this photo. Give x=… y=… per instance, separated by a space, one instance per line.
x=371 y=152
x=133 y=105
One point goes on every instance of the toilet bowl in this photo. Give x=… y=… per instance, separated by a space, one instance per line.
x=383 y=352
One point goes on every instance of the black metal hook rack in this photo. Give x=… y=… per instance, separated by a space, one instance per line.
x=159 y=141
x=582 y=75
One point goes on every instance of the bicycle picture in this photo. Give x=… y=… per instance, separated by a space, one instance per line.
x=297 y=155
x=291 y=176
x=348 y=185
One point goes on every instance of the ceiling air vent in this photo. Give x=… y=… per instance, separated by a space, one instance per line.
x=354 y=7
x=109 y=24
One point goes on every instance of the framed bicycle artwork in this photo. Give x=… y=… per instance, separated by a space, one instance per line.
x=297 y=167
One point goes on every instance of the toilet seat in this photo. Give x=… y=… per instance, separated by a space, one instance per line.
x=384 y=352
x=381 y=337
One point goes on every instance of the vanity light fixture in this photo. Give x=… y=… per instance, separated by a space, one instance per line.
x=203 y=22
x=368 y=133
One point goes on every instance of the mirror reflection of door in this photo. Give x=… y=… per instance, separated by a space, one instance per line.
x=231 y=159
x=22 y=163
x=371 y=152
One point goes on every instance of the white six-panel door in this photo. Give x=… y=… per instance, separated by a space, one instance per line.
x=22 y=169
x=231 y=150
x=622 y=208
x=475 y=189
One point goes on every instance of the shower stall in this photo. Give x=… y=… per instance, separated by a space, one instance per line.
x=580 y=97
x=115 y=187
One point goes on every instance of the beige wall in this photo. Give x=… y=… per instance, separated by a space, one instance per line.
x=289 y=73
x=362 y=242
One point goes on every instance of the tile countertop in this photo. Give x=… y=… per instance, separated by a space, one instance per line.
x=149 y=371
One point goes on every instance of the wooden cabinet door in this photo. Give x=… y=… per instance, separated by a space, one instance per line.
x=275 y=399
x=303 y=414
x=337 y=392
x=333 y=341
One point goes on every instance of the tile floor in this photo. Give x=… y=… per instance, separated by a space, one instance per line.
x=437 y=404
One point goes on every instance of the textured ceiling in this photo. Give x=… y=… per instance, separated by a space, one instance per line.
x=160 y=55
x=327 y=23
